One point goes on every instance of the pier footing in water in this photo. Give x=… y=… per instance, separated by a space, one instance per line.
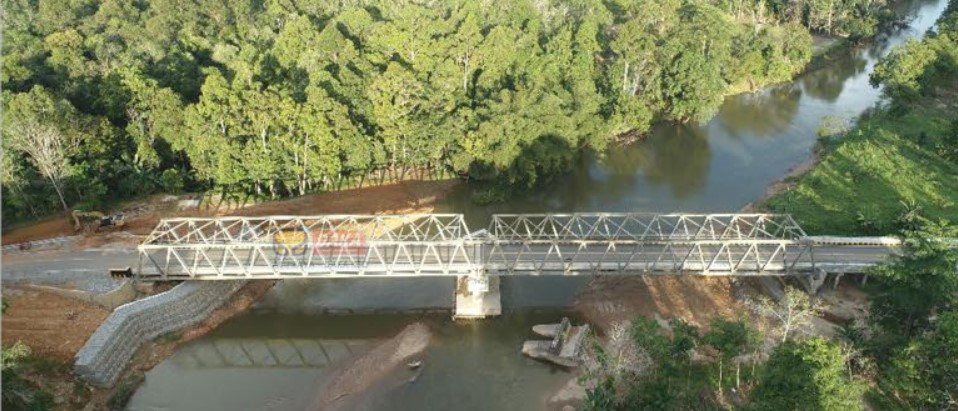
x=477 y=297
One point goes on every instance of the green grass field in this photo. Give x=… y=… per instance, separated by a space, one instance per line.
x=867 y=175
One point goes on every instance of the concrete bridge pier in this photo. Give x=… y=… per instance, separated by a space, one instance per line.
x=814 y=281
x=477 y=296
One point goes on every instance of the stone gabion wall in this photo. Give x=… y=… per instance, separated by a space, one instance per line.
x=110 y=349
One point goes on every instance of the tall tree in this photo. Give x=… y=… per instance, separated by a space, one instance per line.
x=47 y=130
x=807 y=375
x=792 y=311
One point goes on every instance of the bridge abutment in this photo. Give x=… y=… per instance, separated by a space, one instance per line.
x=477 y=296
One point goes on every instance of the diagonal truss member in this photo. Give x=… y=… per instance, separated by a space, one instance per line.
x=644 y=227
x=592 y=243
x=304 y=246
x=441 y=244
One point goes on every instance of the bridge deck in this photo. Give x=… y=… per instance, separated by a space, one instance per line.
x=535 y=244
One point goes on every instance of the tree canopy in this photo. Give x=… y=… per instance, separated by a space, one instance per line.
x=283 y=97
x=807 y=375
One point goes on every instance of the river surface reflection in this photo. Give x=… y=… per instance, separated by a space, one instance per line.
x=718 y=166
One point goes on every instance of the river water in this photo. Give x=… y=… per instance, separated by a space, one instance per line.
x=275 y=356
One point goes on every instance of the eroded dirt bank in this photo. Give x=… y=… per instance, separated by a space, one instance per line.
x=697 y=299
x=51 y=325
x=606 y=300
x=785 y=183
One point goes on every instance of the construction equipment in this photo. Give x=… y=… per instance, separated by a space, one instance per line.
x=120 y=273
x=92 y=221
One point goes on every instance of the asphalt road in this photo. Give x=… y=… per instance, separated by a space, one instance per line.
x=88 y=269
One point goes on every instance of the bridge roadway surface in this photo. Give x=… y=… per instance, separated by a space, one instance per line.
x=535 y=244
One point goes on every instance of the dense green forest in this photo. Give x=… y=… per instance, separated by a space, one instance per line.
x=109 y=99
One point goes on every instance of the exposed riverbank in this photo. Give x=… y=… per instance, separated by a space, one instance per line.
x=787 y=182
x=888 y=165
x=908 y=169
x=607 y=300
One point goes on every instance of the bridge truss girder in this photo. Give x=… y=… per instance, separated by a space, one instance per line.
x=303 y=246
x=441 y=245
x=643 y=227
x=256 y=230
x=704 y=257
x=374 y=258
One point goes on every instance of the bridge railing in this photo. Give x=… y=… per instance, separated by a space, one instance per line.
x=823 y=240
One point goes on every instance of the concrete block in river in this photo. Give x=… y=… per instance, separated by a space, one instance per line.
x=564 y=349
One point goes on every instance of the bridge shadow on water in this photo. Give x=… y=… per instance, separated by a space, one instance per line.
x=602 y=299
x=412 y=294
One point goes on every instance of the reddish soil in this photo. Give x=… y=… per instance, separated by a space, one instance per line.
x=407 y=196
x=396 y=198
x=696 y=299
x=51 y=325
x=403 y=197
x=56 y=327
x=53 y=227
x=604 y=301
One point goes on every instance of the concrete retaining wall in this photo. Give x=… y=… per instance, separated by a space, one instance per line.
x=109 y=350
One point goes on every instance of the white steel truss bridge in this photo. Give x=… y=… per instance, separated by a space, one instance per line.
x=326 y=246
